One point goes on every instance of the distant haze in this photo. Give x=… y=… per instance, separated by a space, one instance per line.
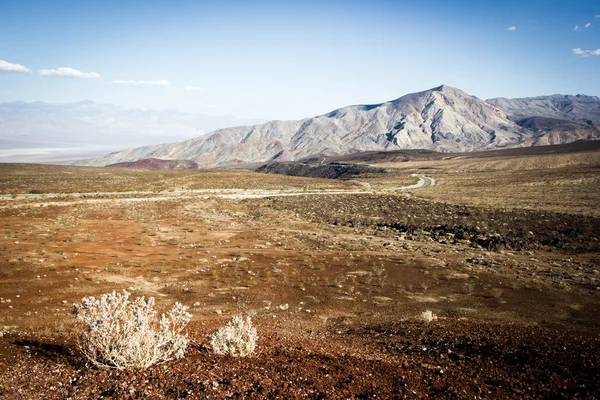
x=59 y=133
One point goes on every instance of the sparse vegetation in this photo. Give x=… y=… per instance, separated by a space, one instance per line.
x=380 y=275
x=237 y=338
x=428 y=316
x=123 y=334
x=334 y=279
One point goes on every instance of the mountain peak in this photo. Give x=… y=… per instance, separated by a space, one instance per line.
x=447 y=89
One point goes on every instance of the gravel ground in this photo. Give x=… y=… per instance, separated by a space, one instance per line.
x=417 y=219
x=444 y=359
x=338 y=283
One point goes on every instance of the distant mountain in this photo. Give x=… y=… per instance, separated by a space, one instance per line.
x=578 y=109
x=40 y=131
x=442 y=119
x=554 y=119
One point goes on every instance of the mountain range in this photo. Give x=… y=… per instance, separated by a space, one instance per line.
x=443 y=119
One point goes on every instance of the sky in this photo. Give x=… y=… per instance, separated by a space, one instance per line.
x=292 y=59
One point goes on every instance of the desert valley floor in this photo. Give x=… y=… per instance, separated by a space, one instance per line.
x=504 y=249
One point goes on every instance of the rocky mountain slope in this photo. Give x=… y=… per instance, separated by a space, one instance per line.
x=443 y=119
x=554 y=119
x=578 y=109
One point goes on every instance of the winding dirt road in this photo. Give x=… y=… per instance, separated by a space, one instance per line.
x=97 y=197
x=424 y=181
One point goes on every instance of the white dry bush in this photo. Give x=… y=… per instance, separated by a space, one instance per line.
x=237 y=338
x=123 y=334
x=428 y=316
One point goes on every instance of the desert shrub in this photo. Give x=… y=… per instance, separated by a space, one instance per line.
x=380 y=275
x=123 y=334
x=428 y=316
x=237 y=338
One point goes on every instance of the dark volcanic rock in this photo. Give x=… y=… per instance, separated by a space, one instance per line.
x=445 y=223
x=330 y=171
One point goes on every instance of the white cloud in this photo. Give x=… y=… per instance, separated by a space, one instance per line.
x=588 y=25
x=5 y=66
x=576 y=28
x=598 y=16
x=193 y=89
x=586 y=53
x=67 y=72
x=512 y=28
x=130 y=82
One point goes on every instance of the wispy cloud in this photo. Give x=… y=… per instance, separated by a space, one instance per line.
x=193 y=89
x=588 y=25
x=576 y=28
x=512 y=28
x=586 y=53
x=130 y=82
x=5 y=66
x=67 y=72
x=598 y=16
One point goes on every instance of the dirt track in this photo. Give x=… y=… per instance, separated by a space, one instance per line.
x=424 y=182
x=61 y=199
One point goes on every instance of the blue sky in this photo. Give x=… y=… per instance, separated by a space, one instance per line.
x=292 y=59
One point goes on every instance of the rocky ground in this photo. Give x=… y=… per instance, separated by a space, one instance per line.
x=442 y=359
x=329 y=171
x=336 y=284
x=414 y=219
